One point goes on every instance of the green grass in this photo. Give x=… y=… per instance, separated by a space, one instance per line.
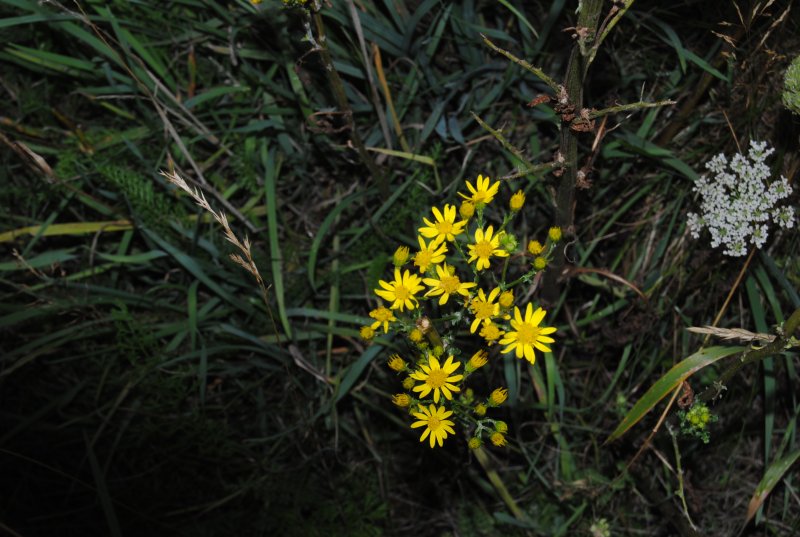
x=147 y=388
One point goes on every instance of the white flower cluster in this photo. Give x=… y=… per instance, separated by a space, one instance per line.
x=738 y=203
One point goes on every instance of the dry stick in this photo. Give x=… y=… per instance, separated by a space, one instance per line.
x=341 y=100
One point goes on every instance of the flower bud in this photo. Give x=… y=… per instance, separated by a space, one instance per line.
x=415 y=335
x=466 y=210
x=498 y=439
x=408 y=383
x=396 y=363
x=400 y=256
x=366 y=333
x=555 y=234
x=506 y=299
x=480 y=410
x=477 y=361
x=401 y=399
x=498 y=396
x=517 y=201
x=474 y=443
x=508 y=242
x=540 y=263
x=501 y=427
x=535 y=247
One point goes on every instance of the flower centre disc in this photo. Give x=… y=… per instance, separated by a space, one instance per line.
x=444 y=227
x=450 y=284
x=484 y=249
x=483 y=310
x=433 y=423
x=436 y=378
x=401 y=292
x=527 y=334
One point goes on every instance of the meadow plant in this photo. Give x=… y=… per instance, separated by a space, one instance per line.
x=461 y=273
x=738 y=201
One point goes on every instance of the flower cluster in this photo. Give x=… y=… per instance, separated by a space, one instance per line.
x=738 y=202
x=694 y=422
x=460 y=268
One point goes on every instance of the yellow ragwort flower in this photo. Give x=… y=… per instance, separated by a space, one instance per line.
x=400 y=256
x=400 y=292
x=506 y=299
x=466 y=210
x=483 y=193
x=382 y=316
x=408 y=383
x=485 y=247
x=535 y=247
x=436 y=424
x=478 y=360
x=429 y=254
x=366 y=333
x=490 y=332
x=401 y=399
x=438 y=378
x=445 y=227
x=480 y=410
x=555 y=234
x=415 y=335
x=498 y=439
x=474 y=443
x=484 y=308
x=526 y=334
x=540 y=263
x=396 y=363
x=447 y=284
x=498 y=397
x=517 y=201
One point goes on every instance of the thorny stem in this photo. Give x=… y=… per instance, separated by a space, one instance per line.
x=525 y=65
x=505 y=143
x=750 y=356
x=628 y=107
x=321 y=45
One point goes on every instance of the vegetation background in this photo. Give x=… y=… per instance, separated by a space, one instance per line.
x=146 y=389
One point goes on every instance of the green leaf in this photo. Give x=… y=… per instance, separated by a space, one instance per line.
x=772 y=477
x=669 y=382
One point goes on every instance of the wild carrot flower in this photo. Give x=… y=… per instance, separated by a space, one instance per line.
x=485 y=247
x=484 y=308
x=483 y=193
x=437 y=426
x=445 y=227
x=447 y=284
x=526 y=334
x=401 y=291
x=382 y=316
x=429 y=254
x=438 y=378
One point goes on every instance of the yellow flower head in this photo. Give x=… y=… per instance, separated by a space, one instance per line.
x=446 y=284
x=501 y=427
x=506 y=299
x=498 y=439
x=401 y=399
x=483 y=193
x=382 y=316
x=445 y=227
x=437 y=426
x=480 y=410
x=400 y=256
x=540 y=263
x=429 y=254
x=408 y=383
x=366 y=333
x=484 y=308
x=498 y=396
x=555 y=234
x=437 y=378
x=474 y=443
x=485 y=246
x=490 y=332
x=467 y=209
x=478 y=360
x=517 y=201
x=401 y=291
x=396 y=363
x=415 y=335
x=526 y=334
x=535 y=247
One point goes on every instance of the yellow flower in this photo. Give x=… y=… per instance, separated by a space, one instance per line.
x=526 y=334
x=535 y=247
x=396 y=363
x=436 y=424
x=401 y=399
x=415 y=335
x=437 y=378
x=382 y=316
x=484 y=308
x=490 y=332
x=408 y=383
x=366 y=333
x=401 y=291
x=540 y=263
x=447 y=284
x=506 y=299
x=429 y=254
x=466 y=210
x=555 y=234
x=445 y=227
x=498 y=396
x=482 y=193
x=474 y=443
x=480 y=410
x=498 y=439
x=501 y=427
x=400 y=256
x=478 y=360
x=485 y=247
x=517 y=201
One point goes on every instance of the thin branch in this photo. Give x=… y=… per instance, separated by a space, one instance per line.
x=525 y=65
